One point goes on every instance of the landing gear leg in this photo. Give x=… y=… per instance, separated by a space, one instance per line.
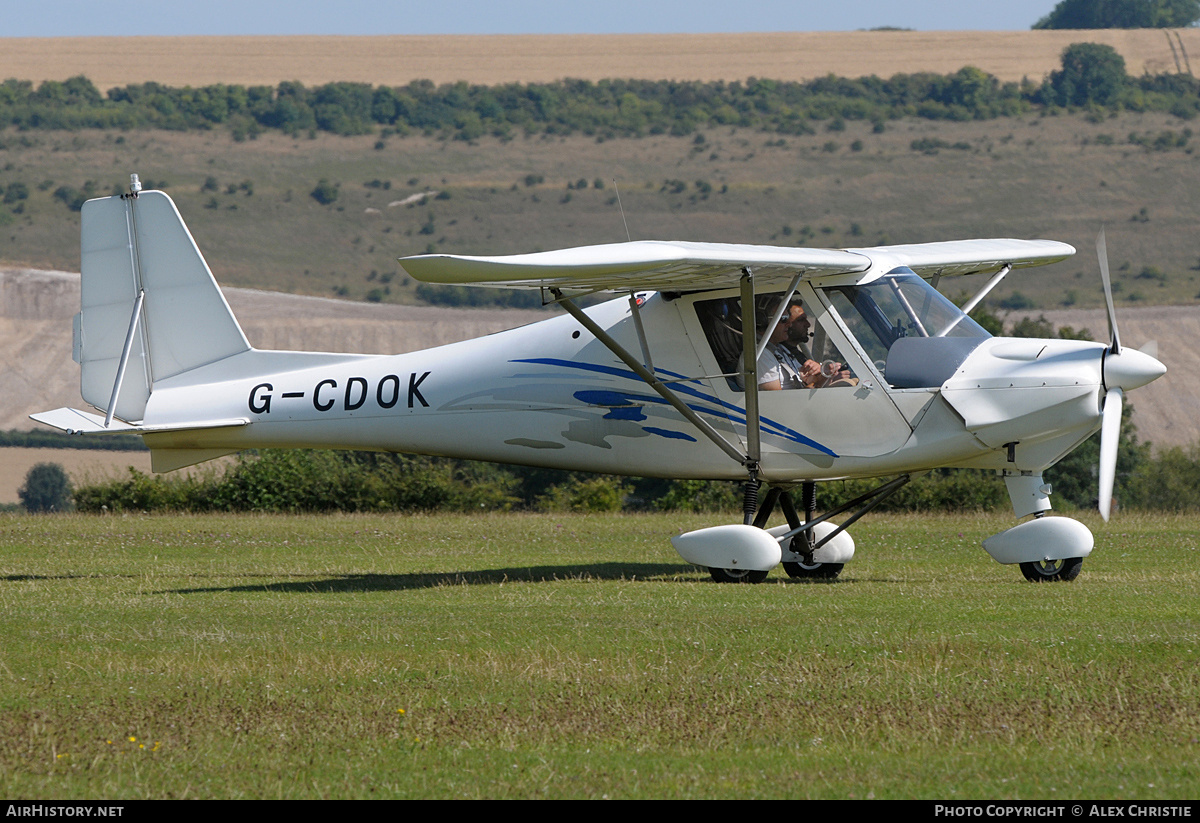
x=802 y=545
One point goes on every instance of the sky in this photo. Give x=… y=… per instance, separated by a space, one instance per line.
x=84 y=18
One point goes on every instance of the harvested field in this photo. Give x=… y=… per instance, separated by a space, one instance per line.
x=1165 y=411
x=82 y=465
x=491 y=59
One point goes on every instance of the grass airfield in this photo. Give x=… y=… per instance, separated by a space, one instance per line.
x=572 y=656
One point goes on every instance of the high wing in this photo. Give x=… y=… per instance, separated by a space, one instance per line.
x=645 y=264
x=957 y=257
x=686 y=266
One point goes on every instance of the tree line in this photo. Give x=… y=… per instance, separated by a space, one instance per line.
x=1091 y=76
x=41 y=439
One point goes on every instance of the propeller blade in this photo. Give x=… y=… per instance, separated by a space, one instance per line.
x=1151 y=348
x=1110 y=432
x=1102 y=256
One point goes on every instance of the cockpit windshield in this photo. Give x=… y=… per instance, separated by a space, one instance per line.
x=902 y=307
x=899 y=305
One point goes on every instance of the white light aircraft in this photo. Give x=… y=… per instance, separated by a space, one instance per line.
x=879 y=376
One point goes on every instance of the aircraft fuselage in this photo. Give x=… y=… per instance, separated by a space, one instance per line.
x=550 y=395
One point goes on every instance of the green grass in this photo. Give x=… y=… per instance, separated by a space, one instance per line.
x=1058 y=177
x=576 y=656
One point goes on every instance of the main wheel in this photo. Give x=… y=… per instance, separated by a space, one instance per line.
x=1045 y=571
x=737 y=575
x=814 y=571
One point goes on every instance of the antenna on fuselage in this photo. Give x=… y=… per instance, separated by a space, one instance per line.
x=622 y=210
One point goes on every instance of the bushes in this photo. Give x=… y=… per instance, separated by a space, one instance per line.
x=325 y=193
x=592 y=494
x=39 y=439
x=1170 y=482
x=310 y=481
x=465 y=296
x=74 y=198
x=940 y=490
x=701 y=496
x=325 y=481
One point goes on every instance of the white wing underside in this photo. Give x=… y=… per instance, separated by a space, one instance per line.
x=685 y=266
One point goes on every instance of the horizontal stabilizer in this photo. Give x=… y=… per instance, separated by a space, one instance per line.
x=74 y=421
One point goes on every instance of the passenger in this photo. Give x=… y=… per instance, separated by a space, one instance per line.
x=778 y=367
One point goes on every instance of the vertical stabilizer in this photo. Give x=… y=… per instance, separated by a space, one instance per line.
x=133 y=244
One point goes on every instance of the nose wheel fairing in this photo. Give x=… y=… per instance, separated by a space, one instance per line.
x=1043 y=540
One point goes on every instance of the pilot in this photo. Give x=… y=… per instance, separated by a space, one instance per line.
x=785 y=362
x=797 y=343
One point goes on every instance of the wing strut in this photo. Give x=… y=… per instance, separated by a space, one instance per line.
x=974 y=301
x=750 y=352
x=653 y=382
x=750 y=382
x=991 y=284
x=636 y=311
x=750 y=372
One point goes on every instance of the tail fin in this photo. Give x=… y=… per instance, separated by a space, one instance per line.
x=137 y=245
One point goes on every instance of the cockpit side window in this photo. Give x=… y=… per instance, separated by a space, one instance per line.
x=722 y=324
x=799 y=355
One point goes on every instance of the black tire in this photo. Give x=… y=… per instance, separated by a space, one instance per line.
x=737 y=575
x=1048 y=571
x=817 y=571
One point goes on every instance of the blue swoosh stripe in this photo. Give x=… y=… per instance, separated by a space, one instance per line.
x=738 y=413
